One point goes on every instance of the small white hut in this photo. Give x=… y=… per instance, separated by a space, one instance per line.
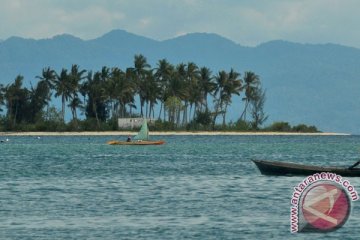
x=133 y=122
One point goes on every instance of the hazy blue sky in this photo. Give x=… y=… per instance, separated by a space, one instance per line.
x=248 y=22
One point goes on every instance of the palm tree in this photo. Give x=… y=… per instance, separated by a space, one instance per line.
x=63 y=88
x=105 y=74
x=257 y=108
x=75 y=77
x=124 y=90
x=129 y=89
x=206 y=84
x=251 y=82
x=110 y=85
x=16 y=97
x=219 y=95
x=177 y=88
x=94 y=88
x=141 y=68
x=227 y=85
x=192 y=76
x=162 y=75
x=39 y=98
x=174 y=105
x=2 y=99
x=48 y=77
x=75 y=103
x=232 y=86
x=153 y=94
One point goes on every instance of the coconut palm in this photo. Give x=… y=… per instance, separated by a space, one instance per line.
x=162 y=75
x=110 y=86
x=192 y=76
x=38 y=99
x=178 y=87
x=173 y=105
x=16 y=99
x=257 y=108
x=48 y=77
x=141 y=68
x=63 y=89
x=227 y=85
x=74 y=103
x=251 y=82
x=206 y=84
x=124 y=89
x=153 y=94
x=75 y=77
x=219 y=95
x=94 y=89
x=2 y=92
x=232 y=87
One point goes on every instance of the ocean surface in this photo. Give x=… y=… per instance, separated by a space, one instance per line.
x=193 y=187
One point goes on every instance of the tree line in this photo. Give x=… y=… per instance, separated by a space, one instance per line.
x=181 y=92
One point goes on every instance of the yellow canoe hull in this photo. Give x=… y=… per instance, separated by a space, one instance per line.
x=114 y=142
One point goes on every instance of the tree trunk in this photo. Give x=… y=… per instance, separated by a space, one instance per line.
x=16 y=110
x=63 y=107
x=141 y=106
x=185 y=114
x=194 y=114
x=224 y=116
x=96 y=115
x=161 y=107
x=243 y=115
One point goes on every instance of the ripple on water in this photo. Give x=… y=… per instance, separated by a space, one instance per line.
x=192 y=187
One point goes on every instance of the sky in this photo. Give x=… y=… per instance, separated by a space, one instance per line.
x=247 y=22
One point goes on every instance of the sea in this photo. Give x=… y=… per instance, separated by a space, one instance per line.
x=192 y=187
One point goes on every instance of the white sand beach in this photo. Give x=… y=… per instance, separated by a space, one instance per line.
x=200 y=133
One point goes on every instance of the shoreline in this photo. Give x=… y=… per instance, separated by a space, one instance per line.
x=169 y=133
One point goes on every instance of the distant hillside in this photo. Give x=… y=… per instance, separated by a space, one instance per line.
x=305 y=83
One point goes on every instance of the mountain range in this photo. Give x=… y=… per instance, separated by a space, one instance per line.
x=314 y=84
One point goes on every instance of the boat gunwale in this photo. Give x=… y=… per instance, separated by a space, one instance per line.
x=135 y=143
x=297 y=166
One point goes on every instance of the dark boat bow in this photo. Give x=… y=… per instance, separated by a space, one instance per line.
x=278 y=168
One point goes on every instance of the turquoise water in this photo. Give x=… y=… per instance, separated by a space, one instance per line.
x=193 y=187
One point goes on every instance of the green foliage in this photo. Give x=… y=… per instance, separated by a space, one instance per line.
x=52 y=114
x=286 y=127
x=241 y=125
x=2 y=123
x=182 y=91
x=279 y=127
x=257 y=102
x=161 y=125
x=204 y=118
x=50 y=125
x=91 y=124
x=113 y=124
x=174 y=106
x=305 y=128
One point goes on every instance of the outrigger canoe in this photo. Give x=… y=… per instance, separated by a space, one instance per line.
x=142 y=138
x=114 y=142
x=277 y=168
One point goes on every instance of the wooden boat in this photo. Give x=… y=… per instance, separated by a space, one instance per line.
x=114 y=142
x=283 y=168
x=142 y=138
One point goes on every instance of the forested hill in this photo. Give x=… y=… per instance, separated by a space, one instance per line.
x=312 y=84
